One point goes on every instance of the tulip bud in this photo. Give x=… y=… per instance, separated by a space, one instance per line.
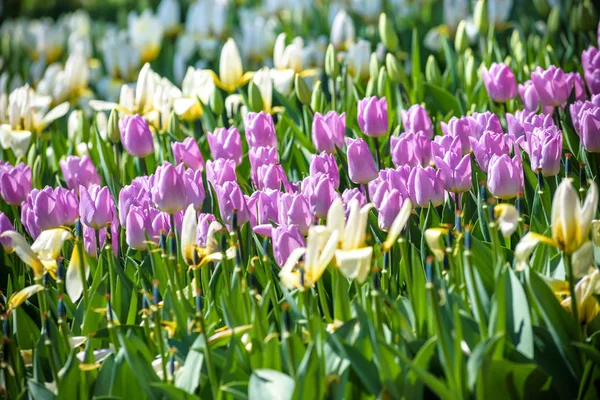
x=113 y=132
x=461 y=40
x=394 y=69
x=387 y=33
x=432 y=71
x=480 y=16
x=254 y=98
x=332 y=66
x=371 y=87
x=317 y=99
x=553 y=21
x=373 y=66
x=470 y=69
x=542 y=7
x=382 y=82
x=216 y=102
x=302 y=90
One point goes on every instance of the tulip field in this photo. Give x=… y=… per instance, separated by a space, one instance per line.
x=293 y=199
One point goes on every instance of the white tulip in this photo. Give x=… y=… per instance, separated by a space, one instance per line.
x=342 y=30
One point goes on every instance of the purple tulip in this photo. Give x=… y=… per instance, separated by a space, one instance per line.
x=262 y=209
x=590 y=130
x=15 y=183
x=373 y=116
x=136 y=136
x=135 y=234
x=188 y=152
x=220 y=171
x=226 y=143
x=231 y=199
x=530 y=98
x=48 y=209
x=416 y=119
x=411 y=149
x=194 y=186
x=329 y=131
x=515 y=122
x=577 y=110
x=260 y=130
x=320 y=193
x=294 y=209
x=389 y=208
x=204 y=221
x=361 y=166
x=575 y=82
x=272 y=177
x=96 y=206
x=89 y=239
x=460 y=128
x=455 y=171
x=260 y=156
x=138 y=193
x=505 y=177
x=389 y=179
x=353 y=194
x=168 y=189
x=590 y=59
x=551 y=86
x=324 y=163
x=79 y=171
x=483 y=122
x=161 y=223
x=6 y=225
x=285 y=240
x=544 y=147
x=499 y=82
x=490 y=144
x=425 y=186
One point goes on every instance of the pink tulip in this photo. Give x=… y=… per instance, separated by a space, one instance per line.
x=425 y=186
x=324 y=163
x=489 y=144
x=460 y=128
x=551 y=86
x=320 y=193
x=505 y=177
x=96 y=206
x=294 y=209
x=226 y=143
x=15 y=183
x=455 y=171
x=361 y=166
x=411 y=149
x=544 y=147
x=262 y=209
x=168 y=189
x=188 y=152
x=79 y=171
x=136 y=136
x=286 y=240
x=590 y=59
x=260 y=130
x=220 y=171
x=329 y=131
x=231 y=199
x=6 y=225
x=260 y=156
x=373 y=116
x=416 y=119
x=499 y=82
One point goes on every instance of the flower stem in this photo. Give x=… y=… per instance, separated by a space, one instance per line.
x=571 y=279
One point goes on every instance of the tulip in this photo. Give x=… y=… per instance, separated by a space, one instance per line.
x=454 y=12
x=168 y=189
x=161 y=223
x=169 y=13
x=515 y=122
x=411 y=149
x=138 y=193
x=325 y=164
x=389 y=208
x=455 y=171
x=571 y=221
x=320 y=193
x=329 y=131
x=353 y=194
x=389 y=179
x=272 y=177
x=79 y=172
x=544 y=147
x=425 y=186
x=590 y=129
x=357 y=58
x=135 y=234
x=373 y=116
x=136 y=136
x=499 y=82
x=416 y=119
x=529 y=96
x=203 y=236
x=505 y=176
x=260 y=130
x=590 y=59
x=90 y=242
x=230 y=66
x=194 y=186
x=220 y=171
x=226 y=143
x=482 y=122
x=551 y=86
x=507 y=217
x=96 y=206
x=342 y=30
x=361 y=166
x=262 y=209
x=231 y=199
x=460 y=128
x=188 y=152
x=294 y=209
x=286 y=240
x=5 y=226
x=577 y=110
x=586 y=291
x=575 y=82
x=146 y=33
x=487 y=146
x=48 y=209
x=15 y=183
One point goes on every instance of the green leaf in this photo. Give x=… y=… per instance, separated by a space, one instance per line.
x=443 y=100
x=505 y=379
x=189 y=379
x=39 y=392
x=165 y=390
x=268 y=384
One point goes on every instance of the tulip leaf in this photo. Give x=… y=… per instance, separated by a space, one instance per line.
x=444 y=101
x=268 y=384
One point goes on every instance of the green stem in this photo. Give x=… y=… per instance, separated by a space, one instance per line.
x=571 y=279
x=323 y=300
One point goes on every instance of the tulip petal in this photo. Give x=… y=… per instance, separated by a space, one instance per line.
x=54 y=114
x=188 y=234
x=25 y=253
x=582 y=259
x=398 y=224
x=19 y=297
x=588 y=210
x=355 y=264
x=526 y=246
x=433 y=237
x=73 y=279
x=507 y=218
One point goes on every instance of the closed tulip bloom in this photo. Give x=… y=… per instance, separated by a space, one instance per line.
x=529 y=96
x=5 y=226
x=487 y=146
x=577 y=110
x=260 y=130
x=168 y=189
x=324 y=163
x=285 y=240
x=373 y=116
x=294 y=209
x=272 y=177
x=96 y=206
x=15 y=183
x=416 y=119
x=136 y=136
x=188 y=152
x=262 y=209
x=590 y=59
x=231 y=70
x=455 y=171
x=161 y=223
x=389 y=179
x=194 y=186
x=389 y=208
x=460 y=128
x=231 y=199
x=342 y=30
x=505 y=177
x=499 y=82
x=226 y=143
x=48 y=209
x=89 y=239
x=411 y=149
x=69 y=204
x=220 y=171
x=202 y=231
x=590 y=130
x=260 y=156
x=361 y=166
x=544 y=147
x=329 y=131
x=134 y=194
x=320 y=193
x=575 y=83
x=79 y=171
x=425 y=186
x=482 y=122
x=135 y=233
x=353 y=194
x=551 y=86
x=515 y=122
